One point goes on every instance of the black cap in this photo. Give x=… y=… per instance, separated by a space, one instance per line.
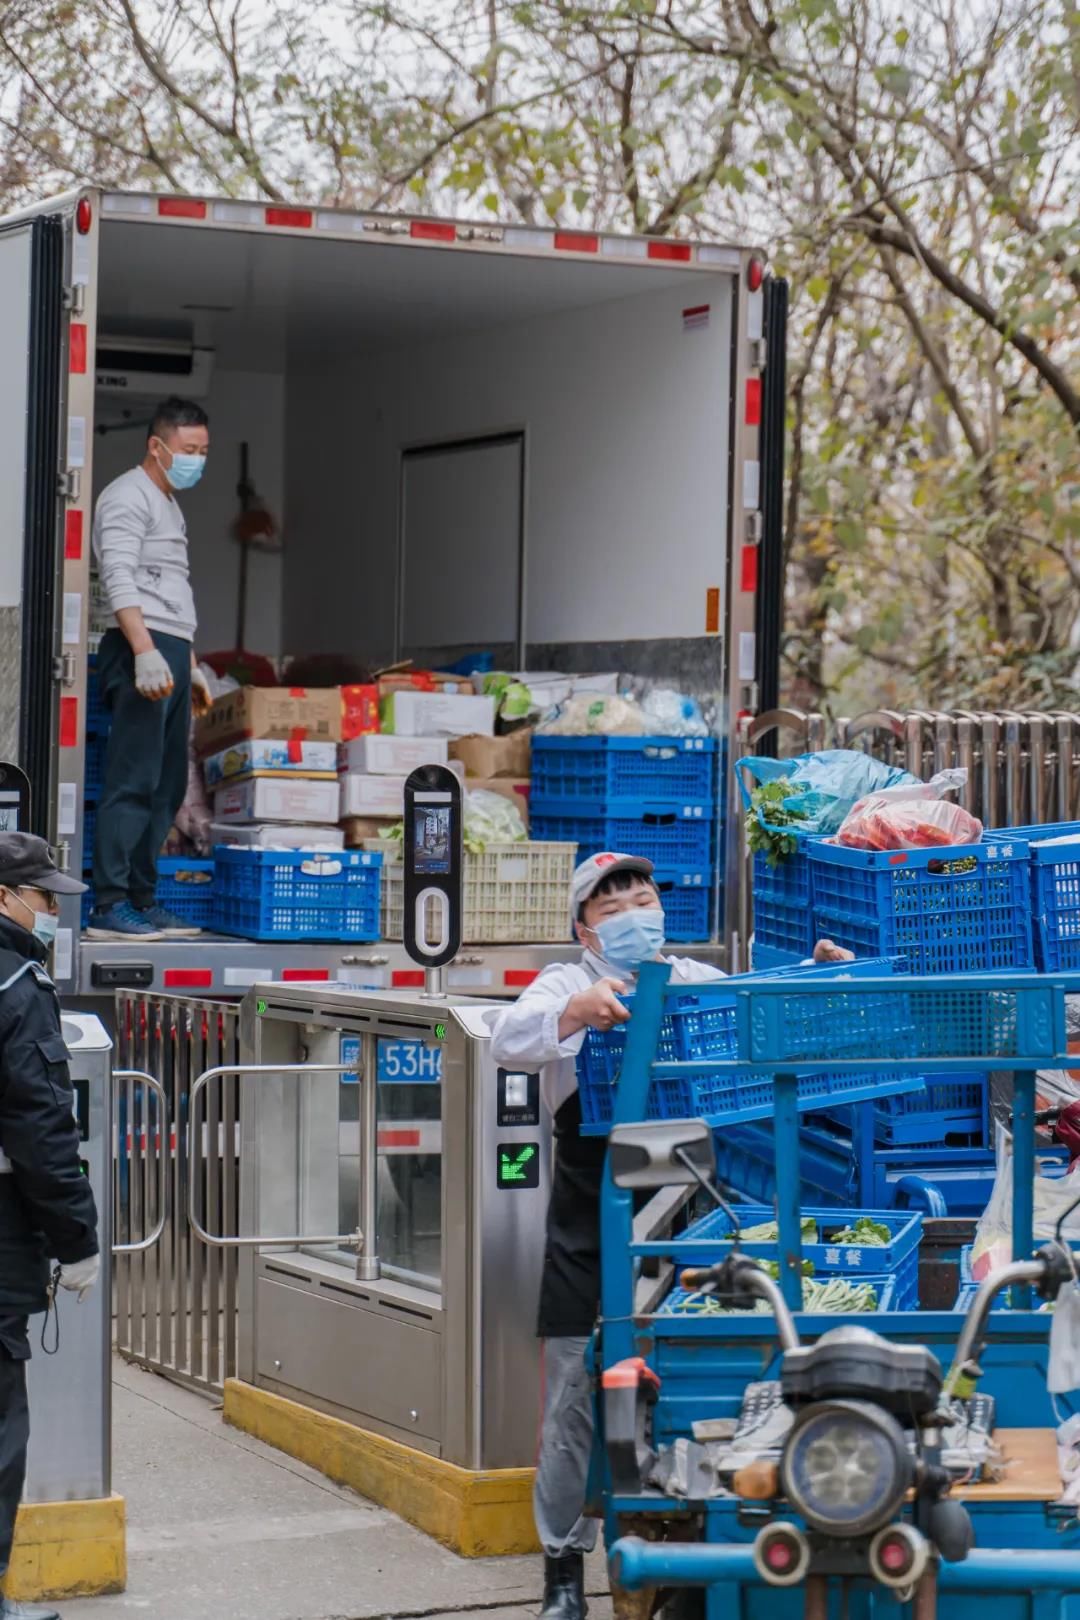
x=26 y=863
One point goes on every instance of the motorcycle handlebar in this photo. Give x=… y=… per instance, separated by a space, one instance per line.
x=739 y=1274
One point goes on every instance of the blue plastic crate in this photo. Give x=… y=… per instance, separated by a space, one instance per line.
x=766 y=958
x=948 y=910
x=597 y=769
x=186 y=888
x=898 y=1258
x=1054 y=890
x=958 y=1107
x=675 y=835
x=94 y=765
x=687 y=900
x=98 y=718
x=889 y=1299
x=699 y=1026
x=294 y=894
x=783 y=908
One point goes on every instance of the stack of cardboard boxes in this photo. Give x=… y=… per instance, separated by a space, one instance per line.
x=497 y=764
x=270 y=758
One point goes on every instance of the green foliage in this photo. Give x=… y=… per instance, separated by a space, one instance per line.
x=770 y=816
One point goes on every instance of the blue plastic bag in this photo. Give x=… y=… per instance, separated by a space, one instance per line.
x=826 y=785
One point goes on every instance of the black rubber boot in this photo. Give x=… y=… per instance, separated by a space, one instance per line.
x=564 y=1588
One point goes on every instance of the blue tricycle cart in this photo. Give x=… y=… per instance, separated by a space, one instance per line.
x=762 y=1461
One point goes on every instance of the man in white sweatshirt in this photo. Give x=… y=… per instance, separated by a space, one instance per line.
x=617 y=915
x=146 y=671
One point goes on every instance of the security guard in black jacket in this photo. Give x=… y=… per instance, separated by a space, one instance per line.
x=46 y=1205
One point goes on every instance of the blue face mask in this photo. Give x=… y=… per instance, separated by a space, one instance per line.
x=631 y=937
x=183 y=471
x=44 y=925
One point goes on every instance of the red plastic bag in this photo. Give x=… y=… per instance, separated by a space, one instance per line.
x=881 y=822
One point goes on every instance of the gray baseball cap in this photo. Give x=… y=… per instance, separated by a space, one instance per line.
x=26 y=863
x=590 y=874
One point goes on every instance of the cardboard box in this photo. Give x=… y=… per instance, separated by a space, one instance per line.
x=277 y=798
x=424 y=680
x=266 y=756
x=437 y=714
x=391 y=756
x=379 y=795
x=286 y=712
x=358 y=829
x=495 y=756
x=515 y=788
x=259 y=836
x=359 y=711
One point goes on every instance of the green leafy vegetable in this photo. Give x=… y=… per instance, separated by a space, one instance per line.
x=769 y=1231
x=767 y=806
x=873 y=1234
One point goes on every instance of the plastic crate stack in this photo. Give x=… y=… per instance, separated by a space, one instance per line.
x=651 y=796
x=783 y=909
x=1053 y=890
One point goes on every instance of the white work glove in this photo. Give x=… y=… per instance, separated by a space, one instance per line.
x=201 y=697
x=81 y=1276
x=153 y=677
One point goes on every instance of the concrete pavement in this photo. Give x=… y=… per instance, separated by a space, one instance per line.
x=222 y=1527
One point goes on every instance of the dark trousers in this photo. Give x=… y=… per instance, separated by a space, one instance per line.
x=14 y=1427
x=146 y=770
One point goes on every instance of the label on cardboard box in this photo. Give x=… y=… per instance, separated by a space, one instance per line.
x=254 y=755
x=277 y=798
x=387 y=755
x=359 y=711
x=438 y=714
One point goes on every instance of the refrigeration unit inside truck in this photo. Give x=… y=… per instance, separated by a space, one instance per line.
x=547 y=443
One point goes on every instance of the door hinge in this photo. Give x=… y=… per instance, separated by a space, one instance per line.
x=759 y=353
x=74 y=299
x=64 y=669
x=68 y=484
x=63 y=856
x=755 y=525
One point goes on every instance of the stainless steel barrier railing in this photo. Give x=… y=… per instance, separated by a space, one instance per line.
x=175 y=1301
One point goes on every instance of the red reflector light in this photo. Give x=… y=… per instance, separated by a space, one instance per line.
x=181 y=208
x=191 y=978
x=672 y=252
x=749 y=580
x=69 y=722
x=407 y=979
x=895 y=1556
x=780 y=1554
x=399 y=1139
x=519 y=976
x=303 y=975
x=576 y=242
x=432 y=230
x=298 y=218
x=84 y=216
x=77 y=349
x=755 y=274
x=753 y=401
x=73 y=536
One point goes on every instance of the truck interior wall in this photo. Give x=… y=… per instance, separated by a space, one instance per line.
x=242 y=405
x=624 y=407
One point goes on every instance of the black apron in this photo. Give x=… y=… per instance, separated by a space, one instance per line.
x=570 y=1285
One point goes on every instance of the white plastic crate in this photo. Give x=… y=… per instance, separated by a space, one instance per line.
x=514 y=893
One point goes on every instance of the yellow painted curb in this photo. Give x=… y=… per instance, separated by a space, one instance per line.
x=68 y=1549
x=479 y=1514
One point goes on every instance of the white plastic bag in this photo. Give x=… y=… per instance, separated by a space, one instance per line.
x=1052 y=1197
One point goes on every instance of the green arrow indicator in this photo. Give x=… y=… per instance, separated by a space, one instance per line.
x=440 y=1032
x=516 y=1167
x=260 y=1006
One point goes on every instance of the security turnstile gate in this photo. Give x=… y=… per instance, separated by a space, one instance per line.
x=400 y=1134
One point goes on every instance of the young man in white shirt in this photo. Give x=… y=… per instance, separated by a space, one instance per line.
x=618 y=918
x=147 y=672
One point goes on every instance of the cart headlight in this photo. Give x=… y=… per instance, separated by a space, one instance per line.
x=846 y=1467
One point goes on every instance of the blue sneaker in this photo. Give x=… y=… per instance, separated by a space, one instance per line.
x=166 y=923
x=120 y=921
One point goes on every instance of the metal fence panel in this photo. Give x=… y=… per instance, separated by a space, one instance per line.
x=176 y=1304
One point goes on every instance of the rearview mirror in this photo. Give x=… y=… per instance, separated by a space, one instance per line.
x=662 y=1153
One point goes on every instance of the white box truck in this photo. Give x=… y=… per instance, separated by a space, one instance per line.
x=563 y=445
